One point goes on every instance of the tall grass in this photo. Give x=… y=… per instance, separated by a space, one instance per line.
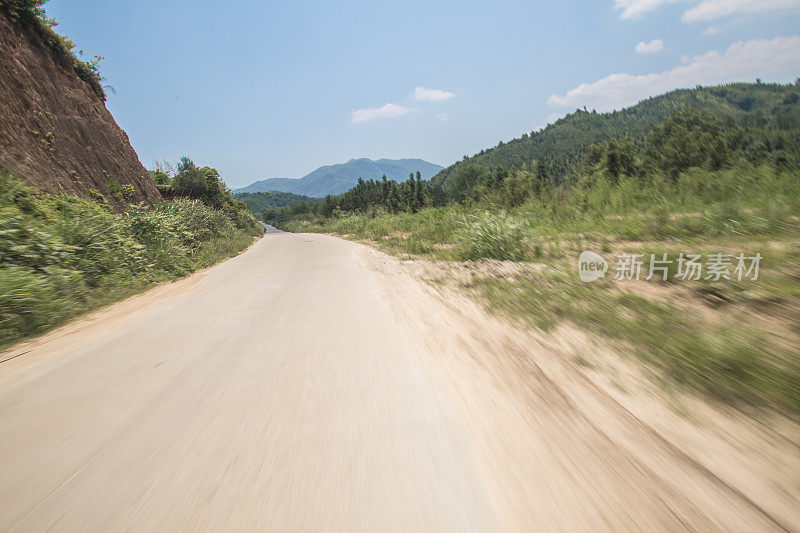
x=62 y=255
x=492 y=235
x=725 y=357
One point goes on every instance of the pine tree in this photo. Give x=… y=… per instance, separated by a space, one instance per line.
x=407 y=194
x=419 y=194
x=384 y=191
x=393 y=198
x=328 y=205
x=437 y=195
x=541 y=180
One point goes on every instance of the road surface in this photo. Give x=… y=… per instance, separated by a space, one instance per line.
x=300 y=387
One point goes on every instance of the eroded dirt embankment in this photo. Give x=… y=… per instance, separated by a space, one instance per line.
x=55 y=132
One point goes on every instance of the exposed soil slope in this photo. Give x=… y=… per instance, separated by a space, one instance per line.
x=55 y=132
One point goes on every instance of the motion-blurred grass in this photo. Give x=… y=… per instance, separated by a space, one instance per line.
x=61 y=255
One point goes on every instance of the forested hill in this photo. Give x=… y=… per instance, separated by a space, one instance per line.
x=258 y=201
x=336 y=179
x=561 y=146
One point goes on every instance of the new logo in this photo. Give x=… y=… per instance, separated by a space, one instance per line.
x=591 y=266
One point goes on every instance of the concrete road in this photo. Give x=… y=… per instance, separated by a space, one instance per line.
x=297 y=387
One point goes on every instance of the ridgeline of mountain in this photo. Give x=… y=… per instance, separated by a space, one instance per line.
x=336 y=179
x=748 y=107
x=55 y=131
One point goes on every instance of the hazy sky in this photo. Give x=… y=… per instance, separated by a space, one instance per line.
x=269 y=89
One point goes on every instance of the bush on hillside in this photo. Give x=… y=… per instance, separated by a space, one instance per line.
x=204 y=184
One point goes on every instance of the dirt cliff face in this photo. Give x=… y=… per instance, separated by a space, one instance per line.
x=55 y=132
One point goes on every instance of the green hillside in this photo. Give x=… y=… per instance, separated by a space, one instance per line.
x=763 y=118
x=259 y=201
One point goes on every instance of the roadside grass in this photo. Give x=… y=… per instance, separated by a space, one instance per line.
x=737 y=342
x=736 y=202
x=710 y=337
x=61 y=256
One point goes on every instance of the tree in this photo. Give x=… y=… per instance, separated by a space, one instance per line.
x=688 y=138
x=407 y=194
x=189 y=180
x=613 y=158
x=393 y=198
x=541 y=179
x=515 y=188
x=463 y=180
x=200 y=183
x=162 y=173
x=328 y=206
x=437 y=195
x=499 y=175
x=384 y=191
x=360 y=195
x=419 y=194
x=216 y=192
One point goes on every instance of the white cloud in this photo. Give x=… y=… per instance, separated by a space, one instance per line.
x=385 y=111
x=443 y=117
x=713 y=9
x=704 y=9
x=634 y=9
x=778 y=58
x=656 y=45
x=711 y=30
x=432 y=95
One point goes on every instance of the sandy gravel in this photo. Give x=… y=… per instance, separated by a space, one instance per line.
x=315 y=384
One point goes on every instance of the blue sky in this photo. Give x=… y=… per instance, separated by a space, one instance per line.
x=268 y=89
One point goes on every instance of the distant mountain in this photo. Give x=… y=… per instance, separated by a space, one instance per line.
x=336 y=179
x=269 y=185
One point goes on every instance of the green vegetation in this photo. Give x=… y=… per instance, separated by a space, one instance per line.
x=722 y=351
x=259 y=201
x=32 y=13
x=62 y=255
x=700 y=180
x=200 y=183
x=367 y=196
x=337 y=179
x=760 y=121
x=493 y=235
